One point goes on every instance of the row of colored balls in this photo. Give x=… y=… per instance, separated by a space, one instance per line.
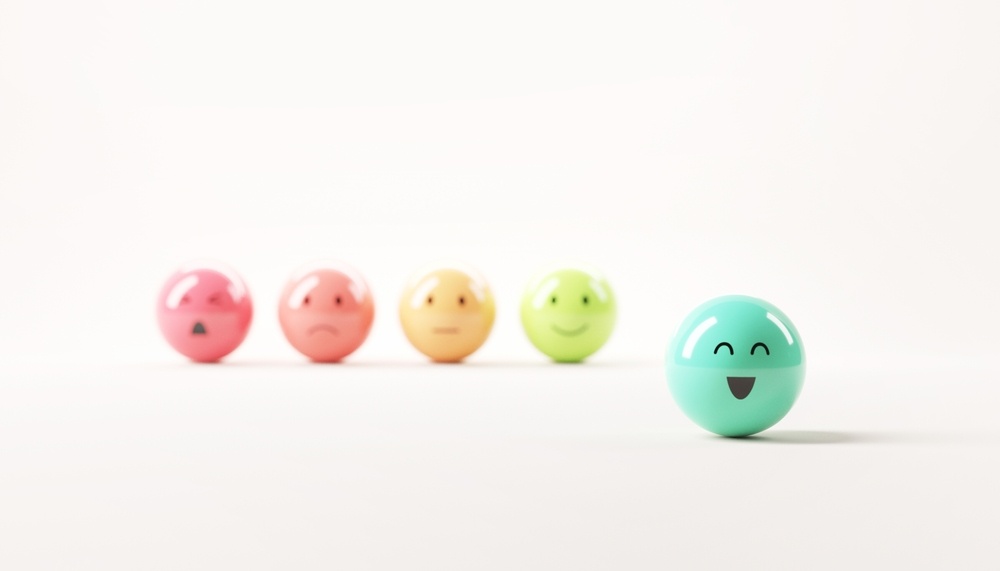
x=326 y=311
x=735 y=366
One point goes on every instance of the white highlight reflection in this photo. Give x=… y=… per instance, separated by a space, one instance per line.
x=356 y=291
x=301 y=291
x=544 y=291
x=601 y=292
x=180 y=290
x=238 y=289
x=423 y=290
x=696 y=335
x=781 y=326
x=477 y=290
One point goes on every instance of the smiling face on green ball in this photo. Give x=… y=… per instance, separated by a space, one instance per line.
x=569 y=313
x=736 y=365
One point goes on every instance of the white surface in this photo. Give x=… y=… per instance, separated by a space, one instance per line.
x=504 y=466
x=836 y=159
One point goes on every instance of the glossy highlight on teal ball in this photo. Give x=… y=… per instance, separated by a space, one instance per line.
x=736 y=365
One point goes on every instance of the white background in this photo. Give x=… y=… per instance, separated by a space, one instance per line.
x=839 y=160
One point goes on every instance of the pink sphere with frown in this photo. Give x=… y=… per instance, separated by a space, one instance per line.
x=326 y=311
x=204 y=311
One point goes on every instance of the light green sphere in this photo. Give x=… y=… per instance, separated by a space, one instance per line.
x=736 y=365
x=568 y=313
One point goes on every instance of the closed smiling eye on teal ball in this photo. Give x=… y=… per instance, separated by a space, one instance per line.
x=736 y=331
x=736 y=365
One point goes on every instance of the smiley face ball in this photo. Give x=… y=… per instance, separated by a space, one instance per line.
x=204 y=311
x=736 y=365
x=568 y=313
x=447 y=313
x=326 y=311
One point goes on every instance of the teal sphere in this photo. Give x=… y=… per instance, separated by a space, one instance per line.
x=736 y=365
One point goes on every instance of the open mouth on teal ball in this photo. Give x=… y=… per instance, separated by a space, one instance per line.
x=741 y=386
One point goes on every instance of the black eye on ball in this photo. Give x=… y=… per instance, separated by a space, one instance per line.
x=721 y=345
x=586 y=300
x=461 y=300
x=305 y=300
x=430 y=300
x=755 y=345
x=553 y=299
x=337 y=300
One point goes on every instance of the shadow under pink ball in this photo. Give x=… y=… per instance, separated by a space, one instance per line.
x=204 y=312
x=326 y=312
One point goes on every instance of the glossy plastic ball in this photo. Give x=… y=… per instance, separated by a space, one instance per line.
x=736 y=365
x=326 y=311
x=204 y=311
x=568 y=313
x=447 y=313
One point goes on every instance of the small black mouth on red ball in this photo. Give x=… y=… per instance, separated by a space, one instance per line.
x=198 y=329
x=741 y=386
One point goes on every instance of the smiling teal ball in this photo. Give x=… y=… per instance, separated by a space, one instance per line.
x=736 y=365
x=568 y=313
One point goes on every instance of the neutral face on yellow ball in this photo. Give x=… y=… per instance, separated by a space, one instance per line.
x=447 y=313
